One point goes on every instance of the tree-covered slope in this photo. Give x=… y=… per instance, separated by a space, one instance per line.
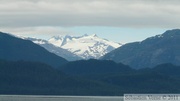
x=13 y=48
x=37 y=78
x=150 y=52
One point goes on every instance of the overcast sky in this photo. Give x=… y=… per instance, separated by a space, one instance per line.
x=117 y=20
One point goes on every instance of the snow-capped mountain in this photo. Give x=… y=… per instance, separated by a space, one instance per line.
x=86 y=46
x=54 y=49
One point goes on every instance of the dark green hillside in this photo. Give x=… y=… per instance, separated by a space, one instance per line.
x=150 y=52
x=160 y=79
x=92 y=67
x=40 y=79
x=12 y=48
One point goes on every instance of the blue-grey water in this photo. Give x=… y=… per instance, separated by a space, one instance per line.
x=58 y=98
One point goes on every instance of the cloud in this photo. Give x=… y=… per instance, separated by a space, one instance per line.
x=70 y=13
x=38 y=32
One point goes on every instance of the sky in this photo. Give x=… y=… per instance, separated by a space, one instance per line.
x=121 y=21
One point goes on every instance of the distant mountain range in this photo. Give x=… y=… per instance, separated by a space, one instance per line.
x=86 y=46
x=27 y=68
x=13 y=48
x=77 y=47
x=150 y=52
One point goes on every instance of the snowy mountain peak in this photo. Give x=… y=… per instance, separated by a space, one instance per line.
x=56 y=40
x=86 y=46
x=68 y=37
x=57 y=37
x=94 y=35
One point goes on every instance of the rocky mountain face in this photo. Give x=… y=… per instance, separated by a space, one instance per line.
x=150 y=52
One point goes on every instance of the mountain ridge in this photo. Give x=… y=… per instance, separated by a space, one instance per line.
x=150 y=52
x=34 y=78
x=14 y=48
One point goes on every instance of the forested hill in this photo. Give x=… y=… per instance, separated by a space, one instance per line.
x=159 y=49
x=13 y=48
x=35 y=78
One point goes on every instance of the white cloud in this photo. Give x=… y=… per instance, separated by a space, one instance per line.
x=118 y=13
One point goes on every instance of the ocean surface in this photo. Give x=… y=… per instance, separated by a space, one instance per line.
x=58 y=98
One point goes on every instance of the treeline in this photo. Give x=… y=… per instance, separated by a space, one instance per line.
x=164 y=78
x=86 y=77
x=37 y=78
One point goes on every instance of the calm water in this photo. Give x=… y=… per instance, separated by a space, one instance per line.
x=58 y=98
